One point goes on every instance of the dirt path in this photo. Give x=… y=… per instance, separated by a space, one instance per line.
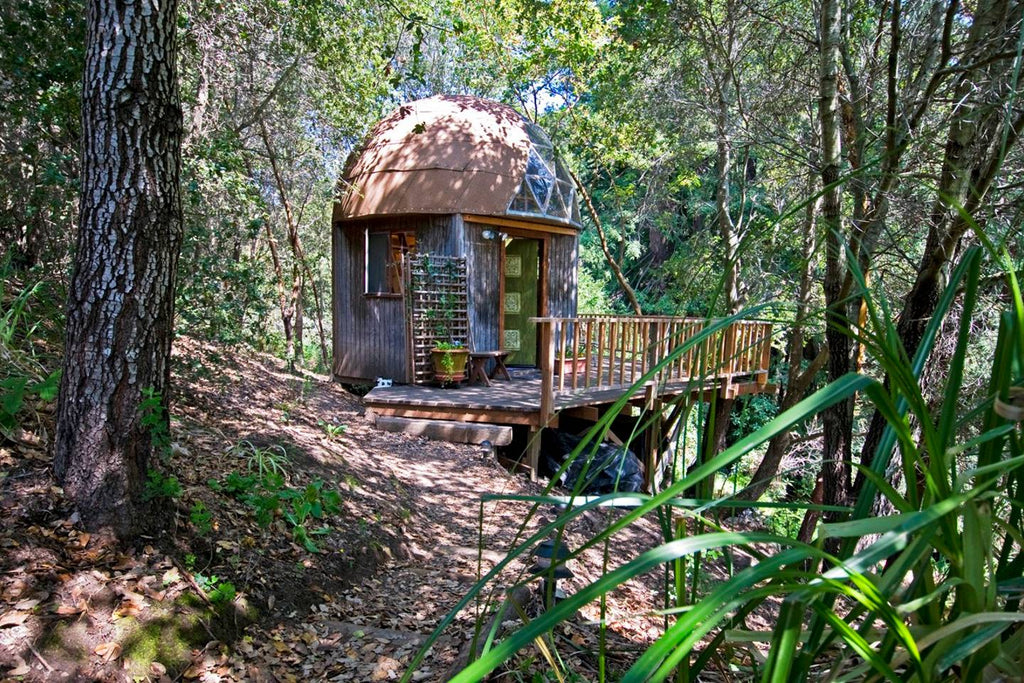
x=408 y=543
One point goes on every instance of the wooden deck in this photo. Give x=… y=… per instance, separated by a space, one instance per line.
x=518 y=402
x=588 y=363
x=645 y=357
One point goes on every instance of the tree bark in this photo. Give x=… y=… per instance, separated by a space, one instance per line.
x=837 y=419
x=121 y=299
x=981 y=132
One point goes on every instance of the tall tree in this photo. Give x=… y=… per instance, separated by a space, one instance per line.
x=838 y=419
x=121 y=301
x=984 y=126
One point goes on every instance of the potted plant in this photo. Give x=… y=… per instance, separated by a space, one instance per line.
x=568 y=363
x=449 y=361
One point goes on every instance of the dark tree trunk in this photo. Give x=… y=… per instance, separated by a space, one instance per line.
x=121 y=300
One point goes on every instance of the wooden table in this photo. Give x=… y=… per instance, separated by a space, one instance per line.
x=478 y=363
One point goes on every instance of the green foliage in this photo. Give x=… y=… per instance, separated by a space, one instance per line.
x=201 y=518
x=24 y=378
x=16 y=392
x=160 y=486
x=929 y=592
x=216 y=589
x=751 y=413
x=224 y=293
x=153 y=418
x=235 y=484
x=332 y=430
x=39 y=124
x=266 y=491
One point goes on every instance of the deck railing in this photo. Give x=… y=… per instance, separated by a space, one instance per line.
x=597 y=353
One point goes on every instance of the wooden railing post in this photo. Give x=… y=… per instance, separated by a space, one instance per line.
x=766 y=353
x=547 y=369
x=729 y=360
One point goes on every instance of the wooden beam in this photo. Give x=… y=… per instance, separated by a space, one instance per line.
x=514 y=224
x=508 y=417
x=590 y=413
x=748 y=388
x=447 y=430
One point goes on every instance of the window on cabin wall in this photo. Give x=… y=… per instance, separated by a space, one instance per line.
x=384 y=254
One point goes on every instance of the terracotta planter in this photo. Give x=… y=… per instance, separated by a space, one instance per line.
x=570 y=366
x=449 y=372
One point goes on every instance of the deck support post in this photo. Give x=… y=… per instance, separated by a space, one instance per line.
x=545 y=332
x=652 y=440
x=533 y=452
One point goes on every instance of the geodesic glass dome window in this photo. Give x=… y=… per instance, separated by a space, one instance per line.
x=547 y=190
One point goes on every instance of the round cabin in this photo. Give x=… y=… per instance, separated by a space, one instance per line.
x=456 y=222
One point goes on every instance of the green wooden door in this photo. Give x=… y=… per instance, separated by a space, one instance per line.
x=522 y=278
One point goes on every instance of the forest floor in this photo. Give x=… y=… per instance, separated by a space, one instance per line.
x=216 y=596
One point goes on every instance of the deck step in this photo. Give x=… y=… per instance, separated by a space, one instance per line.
x=448 y=430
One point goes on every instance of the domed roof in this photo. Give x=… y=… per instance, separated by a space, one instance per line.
x=457 y=154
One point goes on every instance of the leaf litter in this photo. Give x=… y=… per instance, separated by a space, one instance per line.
x=406 y=544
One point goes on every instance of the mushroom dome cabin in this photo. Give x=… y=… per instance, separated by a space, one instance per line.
x=456 y=221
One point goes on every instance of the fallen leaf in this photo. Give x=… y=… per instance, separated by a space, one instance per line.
x=22 y=669
x=71 y=609
x=108 y=651
x=128 y=608
x=28 y=604
x=13 y=619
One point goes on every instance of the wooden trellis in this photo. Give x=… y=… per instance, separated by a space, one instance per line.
x=436 y=308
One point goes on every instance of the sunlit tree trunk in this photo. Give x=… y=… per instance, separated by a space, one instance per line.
x=838 y=419
x=121 y=300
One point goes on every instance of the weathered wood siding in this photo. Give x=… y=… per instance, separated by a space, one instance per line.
x=370 y=337
x=370 y=331
x=562 y=284
x=483 y=262
x=441 y=235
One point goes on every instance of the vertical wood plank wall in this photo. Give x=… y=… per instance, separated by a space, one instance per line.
x=370 y=331
x=562 y=278
x=483 y=261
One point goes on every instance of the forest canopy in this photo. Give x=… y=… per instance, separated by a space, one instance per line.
x=850 y=170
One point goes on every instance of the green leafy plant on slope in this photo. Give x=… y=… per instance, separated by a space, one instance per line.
x=23 y=379
x=265 y=489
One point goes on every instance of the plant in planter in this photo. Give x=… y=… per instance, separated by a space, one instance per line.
x=569 y=363
x=449 y=361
